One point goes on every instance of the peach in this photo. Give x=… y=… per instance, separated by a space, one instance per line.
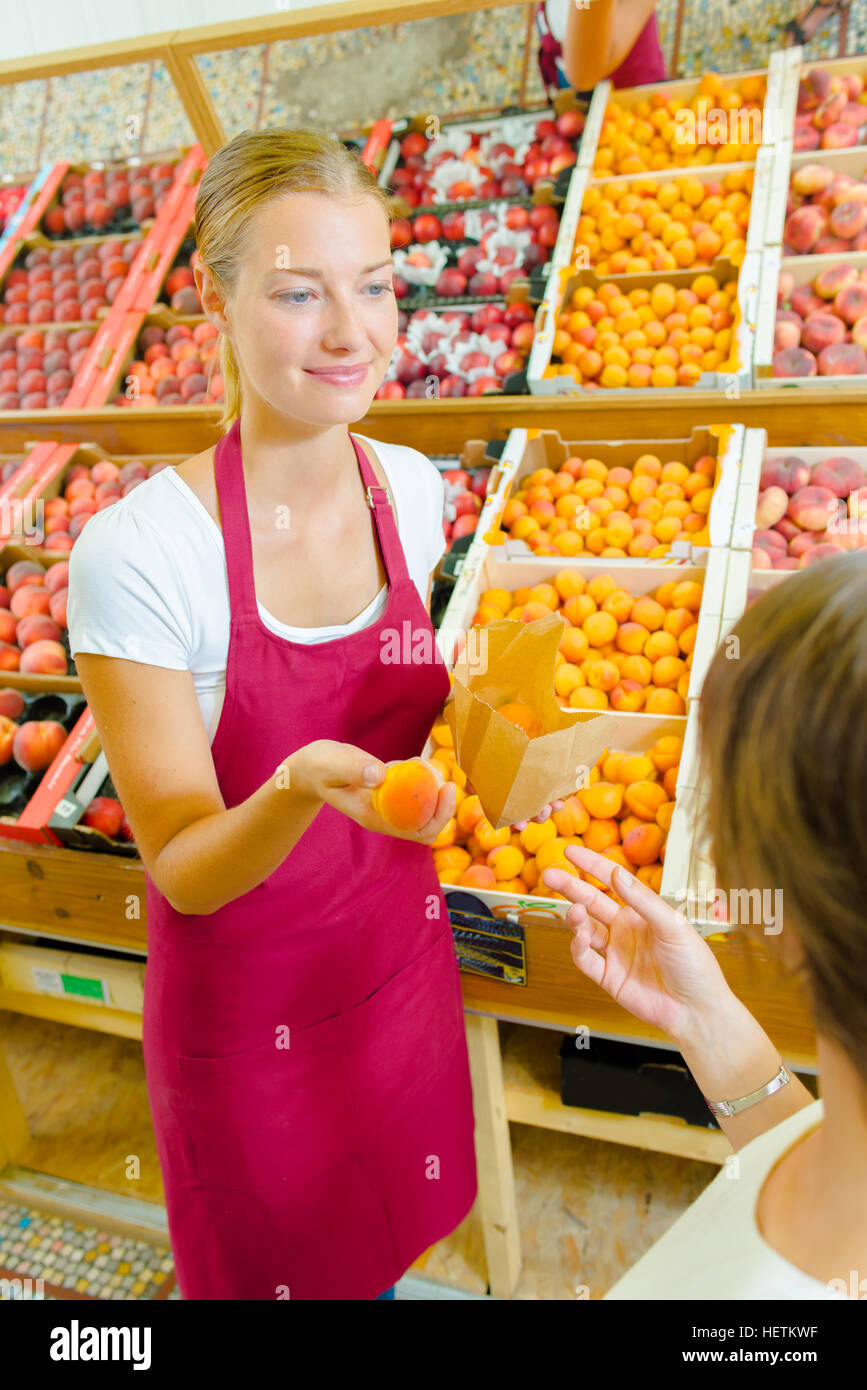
x=760 y=559
x=24 y=572
x=794 y=362
x=829 y=282
x=57 y=606
x=37 y=743
x=821 y=330
x=805 y=541
x=11 y=703
x=848 y=219
x=30 y=598
x=804 y=227
x=810 y=507
x=772 y=540
x=811 y=178
x=10 y=656
x=851 y=301
x=841 y=475
x=8 y=730
x=787 y=330
x=804 y=300
x=104 y=813
x=407 y=798
x=859 y=332
x=816 y=553
x=772 y=505
x=839 y=136
x=37 y=627
x=789 y=473
x=843 y=359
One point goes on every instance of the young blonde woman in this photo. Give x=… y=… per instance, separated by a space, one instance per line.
x=785 y=754
x=303 y=1035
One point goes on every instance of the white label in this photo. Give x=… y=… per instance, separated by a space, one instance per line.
x=48 y=981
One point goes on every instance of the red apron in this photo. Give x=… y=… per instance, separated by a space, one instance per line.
x=321 y=1169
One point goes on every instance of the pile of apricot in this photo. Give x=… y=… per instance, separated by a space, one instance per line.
x=613 y=336
x=617 y=512
x=674 y=225
x=663 y=132
x=623 y=813
x=619 y=651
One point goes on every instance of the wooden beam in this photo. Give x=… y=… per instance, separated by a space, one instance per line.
x=497 y=1200
x=85 y=59
x=324 y=19
x=825 y=416
x=192 y=89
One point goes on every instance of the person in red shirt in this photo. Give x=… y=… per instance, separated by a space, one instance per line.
x=589 y=41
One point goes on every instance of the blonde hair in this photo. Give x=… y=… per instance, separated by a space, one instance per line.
x=251 y=170
x=784 y=745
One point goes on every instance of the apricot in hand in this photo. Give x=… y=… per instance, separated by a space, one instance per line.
x=407 y=797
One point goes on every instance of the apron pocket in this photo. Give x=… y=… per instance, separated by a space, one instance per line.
x=269 y=1119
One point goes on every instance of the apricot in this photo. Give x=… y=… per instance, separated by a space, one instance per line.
x=644 y=799
x=648 y=613
x=666 y=752
x=573 y=819
x=601 y=674
x=488 y=838
x=478 y=876
x=600 y=628
x=589 y=697
x=574 y=645
x=578 y=609
x=636 y=767
x=659 y=644
x=536 y=834
x=636 y=668
x=601 y=835
x=529 y=874
x=687 y=595
x=669 y=781
x=667 y=671
x=522 y=717
x=664 y=814
x=627 y=695
x=642 y=845
x=602 y=801
x=506 y=861
x=455 y=858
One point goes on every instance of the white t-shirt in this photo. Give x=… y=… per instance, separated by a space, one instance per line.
x=148 y=580
x=716 y=1250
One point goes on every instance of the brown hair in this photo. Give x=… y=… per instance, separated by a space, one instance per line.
x=248 y=172
x=784 y=746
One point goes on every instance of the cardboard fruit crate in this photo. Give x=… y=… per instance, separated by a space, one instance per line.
x=637 y=736
x=763 y=168
x=89 y=976
x=528 y=450
x=77 y=775
x=484 y=569
x=756 y=455
x=803 y=270
x=684 y=89
x=785 y=162
x=547 y=378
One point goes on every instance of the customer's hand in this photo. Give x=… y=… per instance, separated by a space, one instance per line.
x=336 y=773
x=644 y=954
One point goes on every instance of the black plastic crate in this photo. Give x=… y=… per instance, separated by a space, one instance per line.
x=630 y=1079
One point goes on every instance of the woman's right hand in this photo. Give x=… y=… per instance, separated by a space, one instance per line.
x=643 y=953
x=337 y=774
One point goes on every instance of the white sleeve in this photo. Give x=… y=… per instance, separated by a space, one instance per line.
x=125 y=598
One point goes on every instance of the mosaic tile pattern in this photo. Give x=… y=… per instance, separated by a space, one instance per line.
x=75 y=1261
x=234 y=80
x=96 y=115
x=167 y=126
x=21 y=108
x=447 y=65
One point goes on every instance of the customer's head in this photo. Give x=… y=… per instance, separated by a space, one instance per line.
x=784 y=738
x=295 y=269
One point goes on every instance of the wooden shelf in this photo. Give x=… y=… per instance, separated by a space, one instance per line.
x=531 y=1076
x=824 y=416
x=76 y=1012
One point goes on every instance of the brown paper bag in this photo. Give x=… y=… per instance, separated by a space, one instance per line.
x=513 y=775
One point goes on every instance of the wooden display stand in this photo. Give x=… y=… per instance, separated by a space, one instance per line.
x=79 y=897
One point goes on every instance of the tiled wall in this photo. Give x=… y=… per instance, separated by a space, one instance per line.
x=342 y=82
